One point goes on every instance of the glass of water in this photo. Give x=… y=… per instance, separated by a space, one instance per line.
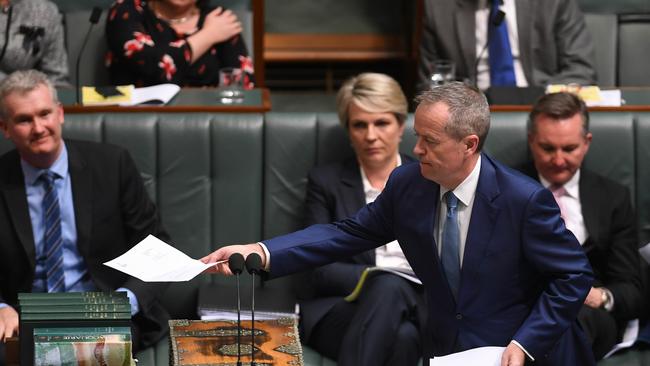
x=231 y=85
x=442 y=71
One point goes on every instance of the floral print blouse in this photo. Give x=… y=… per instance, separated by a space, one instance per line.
x=145 y=50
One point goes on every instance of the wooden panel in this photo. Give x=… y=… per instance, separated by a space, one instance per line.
x=333 y=47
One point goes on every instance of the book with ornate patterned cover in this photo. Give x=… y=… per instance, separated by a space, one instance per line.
x=199 y=342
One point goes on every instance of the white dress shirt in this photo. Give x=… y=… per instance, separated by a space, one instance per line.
x=465 y=192
x=572 y=207
x=483 y=68
x=389 y=255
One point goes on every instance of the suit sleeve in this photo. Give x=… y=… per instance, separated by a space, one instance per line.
x=557 y=256
x=622 y=275
x=335 y=279
x=575 y=48
x=321 y=244
x=140 y=218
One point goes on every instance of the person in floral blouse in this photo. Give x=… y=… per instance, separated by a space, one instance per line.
x=183 y=42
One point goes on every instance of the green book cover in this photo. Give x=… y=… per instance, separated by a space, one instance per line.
x=74 y=300
x=75 y=316
x=75 y=295
x=46 y=331
x=78 y=308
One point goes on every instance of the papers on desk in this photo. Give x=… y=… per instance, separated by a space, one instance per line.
x=128 y=95
x=482 y=356
x=153 y=260
x=591 y=94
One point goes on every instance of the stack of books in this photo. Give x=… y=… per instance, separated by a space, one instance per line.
x=83 y=328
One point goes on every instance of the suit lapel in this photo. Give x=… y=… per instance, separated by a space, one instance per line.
x=82 y=196
x=481 y=226
x=589 y=199
x=352 y=187
x=525 y=9
x=465 y=29
x=16 y=197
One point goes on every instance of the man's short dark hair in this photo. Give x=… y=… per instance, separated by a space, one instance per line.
x=560 y=105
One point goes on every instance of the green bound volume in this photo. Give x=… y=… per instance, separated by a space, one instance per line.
x=73 y=300
x=75 y=316
x=74 y=295
x=56 y=331
x=75 y=308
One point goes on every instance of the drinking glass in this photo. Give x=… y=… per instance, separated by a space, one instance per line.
x=442 y=71
x=231 y=85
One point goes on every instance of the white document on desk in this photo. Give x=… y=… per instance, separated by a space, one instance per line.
x=481 y=356
x=153 y=260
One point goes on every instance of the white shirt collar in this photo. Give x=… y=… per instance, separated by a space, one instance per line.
x=572 y=187
x=368 y=189
x=466 y=190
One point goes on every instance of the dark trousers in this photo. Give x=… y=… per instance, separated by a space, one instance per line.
x=382 y=327
x=600 y=328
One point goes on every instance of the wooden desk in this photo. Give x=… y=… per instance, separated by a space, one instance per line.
x=635 y=99
x=187 y=100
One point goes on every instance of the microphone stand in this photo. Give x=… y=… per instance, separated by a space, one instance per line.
x=94 y=18
x=238 y=324
x=236 y=264
x=253 y=265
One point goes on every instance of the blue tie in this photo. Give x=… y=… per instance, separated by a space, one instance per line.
x=451 y=244
x=502 y=71
x=53 y=249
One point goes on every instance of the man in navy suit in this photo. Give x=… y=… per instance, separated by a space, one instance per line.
x=499 y=267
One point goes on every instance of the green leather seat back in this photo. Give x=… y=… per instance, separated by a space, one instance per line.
x=611 y=153
x=193 y=166
x=604 y=33
x=642 y=137
x=507 y=140
x=633 y=50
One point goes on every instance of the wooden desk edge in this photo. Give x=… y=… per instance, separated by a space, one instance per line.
x=527 y=108
x=265 y=107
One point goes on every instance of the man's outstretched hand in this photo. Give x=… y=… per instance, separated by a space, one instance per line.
x=222 y=254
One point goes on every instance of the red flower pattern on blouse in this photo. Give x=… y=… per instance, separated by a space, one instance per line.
x=137 y=43
x=167 y=64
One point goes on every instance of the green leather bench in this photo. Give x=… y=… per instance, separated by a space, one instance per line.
x=234 y=178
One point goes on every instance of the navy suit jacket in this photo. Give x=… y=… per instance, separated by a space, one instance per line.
x=334 y=192
x=112 y=213
x=524 y=276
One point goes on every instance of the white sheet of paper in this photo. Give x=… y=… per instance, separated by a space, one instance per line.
x=481 y=356
x=629 y=337
x=153 y=260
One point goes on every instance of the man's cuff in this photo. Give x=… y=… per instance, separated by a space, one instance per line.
x=523 y=349
x=135 y=307
x=267 y=256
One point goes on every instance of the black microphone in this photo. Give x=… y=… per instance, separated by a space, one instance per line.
x=236 y=264
x=496 y=22
x=254 y=267
x=94 y=18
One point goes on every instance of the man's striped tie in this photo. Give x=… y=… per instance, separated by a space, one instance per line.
x=53 y=240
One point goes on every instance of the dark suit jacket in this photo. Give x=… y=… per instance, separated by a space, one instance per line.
x=334 y=192
x=611 y=245
x=112 y=214
x=554 y=43
x=524 y=275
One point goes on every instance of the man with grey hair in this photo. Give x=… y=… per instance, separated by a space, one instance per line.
x=497 y=264
x=66 y=207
